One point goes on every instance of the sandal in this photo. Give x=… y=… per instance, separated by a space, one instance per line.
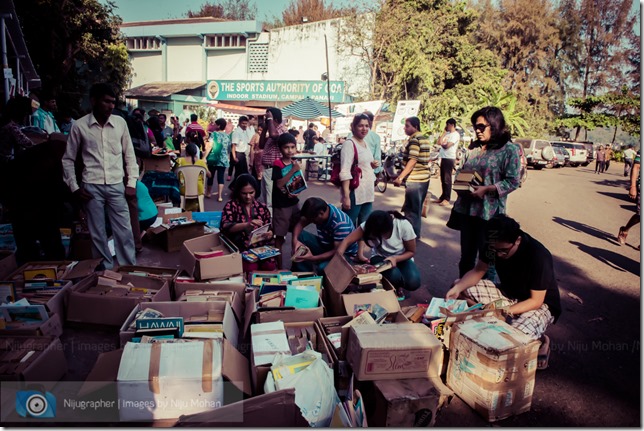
x=400 y=294
x=544 y=353
x=621 y=236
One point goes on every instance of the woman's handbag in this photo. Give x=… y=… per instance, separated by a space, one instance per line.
x=356 y=172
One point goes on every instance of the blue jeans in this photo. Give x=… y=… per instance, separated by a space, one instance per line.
x=405 y=275
x=358 y=213
x=317 y=248
x=415 y=194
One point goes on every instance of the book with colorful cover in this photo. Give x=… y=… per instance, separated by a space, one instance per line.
x=296 y=184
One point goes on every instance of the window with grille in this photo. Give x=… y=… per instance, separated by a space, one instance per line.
x=258 y=57
x=143 y=43
x=225 y=41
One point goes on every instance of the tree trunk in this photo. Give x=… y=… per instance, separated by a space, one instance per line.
x=614 y=134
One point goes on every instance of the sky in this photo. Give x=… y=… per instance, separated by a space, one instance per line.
x=147 y=10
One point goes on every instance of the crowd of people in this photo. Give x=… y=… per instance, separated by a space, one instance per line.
x=101 y=165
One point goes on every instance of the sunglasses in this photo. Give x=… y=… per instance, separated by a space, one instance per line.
x=480 y=127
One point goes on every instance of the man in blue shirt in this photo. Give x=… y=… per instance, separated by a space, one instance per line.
x=44 y=117
x=332 y=225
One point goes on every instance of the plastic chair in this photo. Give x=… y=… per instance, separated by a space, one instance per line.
x=190 y=181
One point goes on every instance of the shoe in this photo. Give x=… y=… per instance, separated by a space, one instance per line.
x=621 y=236
x=444 y=203
x=400 y=294
x=219 y=199
x=544 y=353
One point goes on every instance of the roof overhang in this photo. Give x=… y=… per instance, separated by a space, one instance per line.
x=17 y=40
x=162 y=89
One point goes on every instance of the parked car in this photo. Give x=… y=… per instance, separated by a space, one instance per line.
x=578 y=152
x=561 y=157
x=537 y=151
x=590 y=156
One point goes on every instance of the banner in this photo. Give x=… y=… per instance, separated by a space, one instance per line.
x=274 y=91
x=405 y=109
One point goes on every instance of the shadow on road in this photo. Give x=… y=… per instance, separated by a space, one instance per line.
x=612 y=183
x=621 y=196
x=610 y=258
x=590 y=230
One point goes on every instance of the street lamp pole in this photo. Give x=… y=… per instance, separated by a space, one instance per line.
x=328 y=84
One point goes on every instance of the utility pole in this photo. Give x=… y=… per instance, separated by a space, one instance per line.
x=328 y=84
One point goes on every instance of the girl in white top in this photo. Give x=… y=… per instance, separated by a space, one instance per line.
x=357 y=203
x=391 y=238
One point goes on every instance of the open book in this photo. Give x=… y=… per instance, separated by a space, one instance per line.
x=260 y=234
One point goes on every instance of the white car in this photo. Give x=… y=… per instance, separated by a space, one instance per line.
x=578 y=152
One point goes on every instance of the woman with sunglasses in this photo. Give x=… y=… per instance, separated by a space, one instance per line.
x=498 y=162
x=391 y=238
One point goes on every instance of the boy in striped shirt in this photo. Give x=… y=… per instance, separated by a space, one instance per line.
x=332 y=225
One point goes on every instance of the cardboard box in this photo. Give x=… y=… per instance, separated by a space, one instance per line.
x=492 y=367
x=284 y=413
x=103 y=376
x=52 y=327
x=285 y=314
x=259 y=372
x=111 y=310
x=163 y=273
x=171 y=239
x=405 y=403
x=157 y=162
x=238 y=288
x=150 y=373
x=47 y=363
x=394 y=351
x=185 y=310
x=73 y=271
x=337 y=277
x=215 y=267
x=7 y=263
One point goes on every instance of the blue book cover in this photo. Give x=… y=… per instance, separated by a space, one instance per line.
x=301 y=297
x=296 y=184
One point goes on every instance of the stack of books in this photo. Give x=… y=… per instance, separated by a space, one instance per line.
x=367 y=273
x=260 y=253
x=465 y=181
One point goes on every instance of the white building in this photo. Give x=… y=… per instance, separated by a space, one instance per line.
x=174 y=60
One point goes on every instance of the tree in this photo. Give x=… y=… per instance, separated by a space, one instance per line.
x=234 y=10
x=607 y=32
x=423 y=49
x=74 y=44
x=312 y=10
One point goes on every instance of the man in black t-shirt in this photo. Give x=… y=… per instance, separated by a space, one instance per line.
x=309 y=138
x=528 y=285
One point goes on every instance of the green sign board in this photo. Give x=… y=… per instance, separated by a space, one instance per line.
x=275 y=91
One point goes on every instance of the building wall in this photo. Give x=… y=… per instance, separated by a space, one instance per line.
x=147 y=67
x=185 y=59
x=298 y=53
x=294 y=53
x=227 y=64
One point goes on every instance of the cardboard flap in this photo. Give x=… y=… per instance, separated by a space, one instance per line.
x=386 y=299
x=339 y=273
x=82 y=269
x=235 y=368
x=277 y=409
x=249 y=310
x=105 y=370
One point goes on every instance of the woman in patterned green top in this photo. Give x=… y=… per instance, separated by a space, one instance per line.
x=498 y=161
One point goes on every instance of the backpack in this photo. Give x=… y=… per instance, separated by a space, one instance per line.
x=336 y=163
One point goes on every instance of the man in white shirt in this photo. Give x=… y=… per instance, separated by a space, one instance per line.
x=629 y=156
x=103 y=142
x=449 y=143
x=240 y=148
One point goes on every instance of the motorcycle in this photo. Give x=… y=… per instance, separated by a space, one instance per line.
x=391 y=162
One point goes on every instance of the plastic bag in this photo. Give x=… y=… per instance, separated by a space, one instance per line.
x=315 y=393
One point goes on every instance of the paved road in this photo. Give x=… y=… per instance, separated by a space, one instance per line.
x=594 y=373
